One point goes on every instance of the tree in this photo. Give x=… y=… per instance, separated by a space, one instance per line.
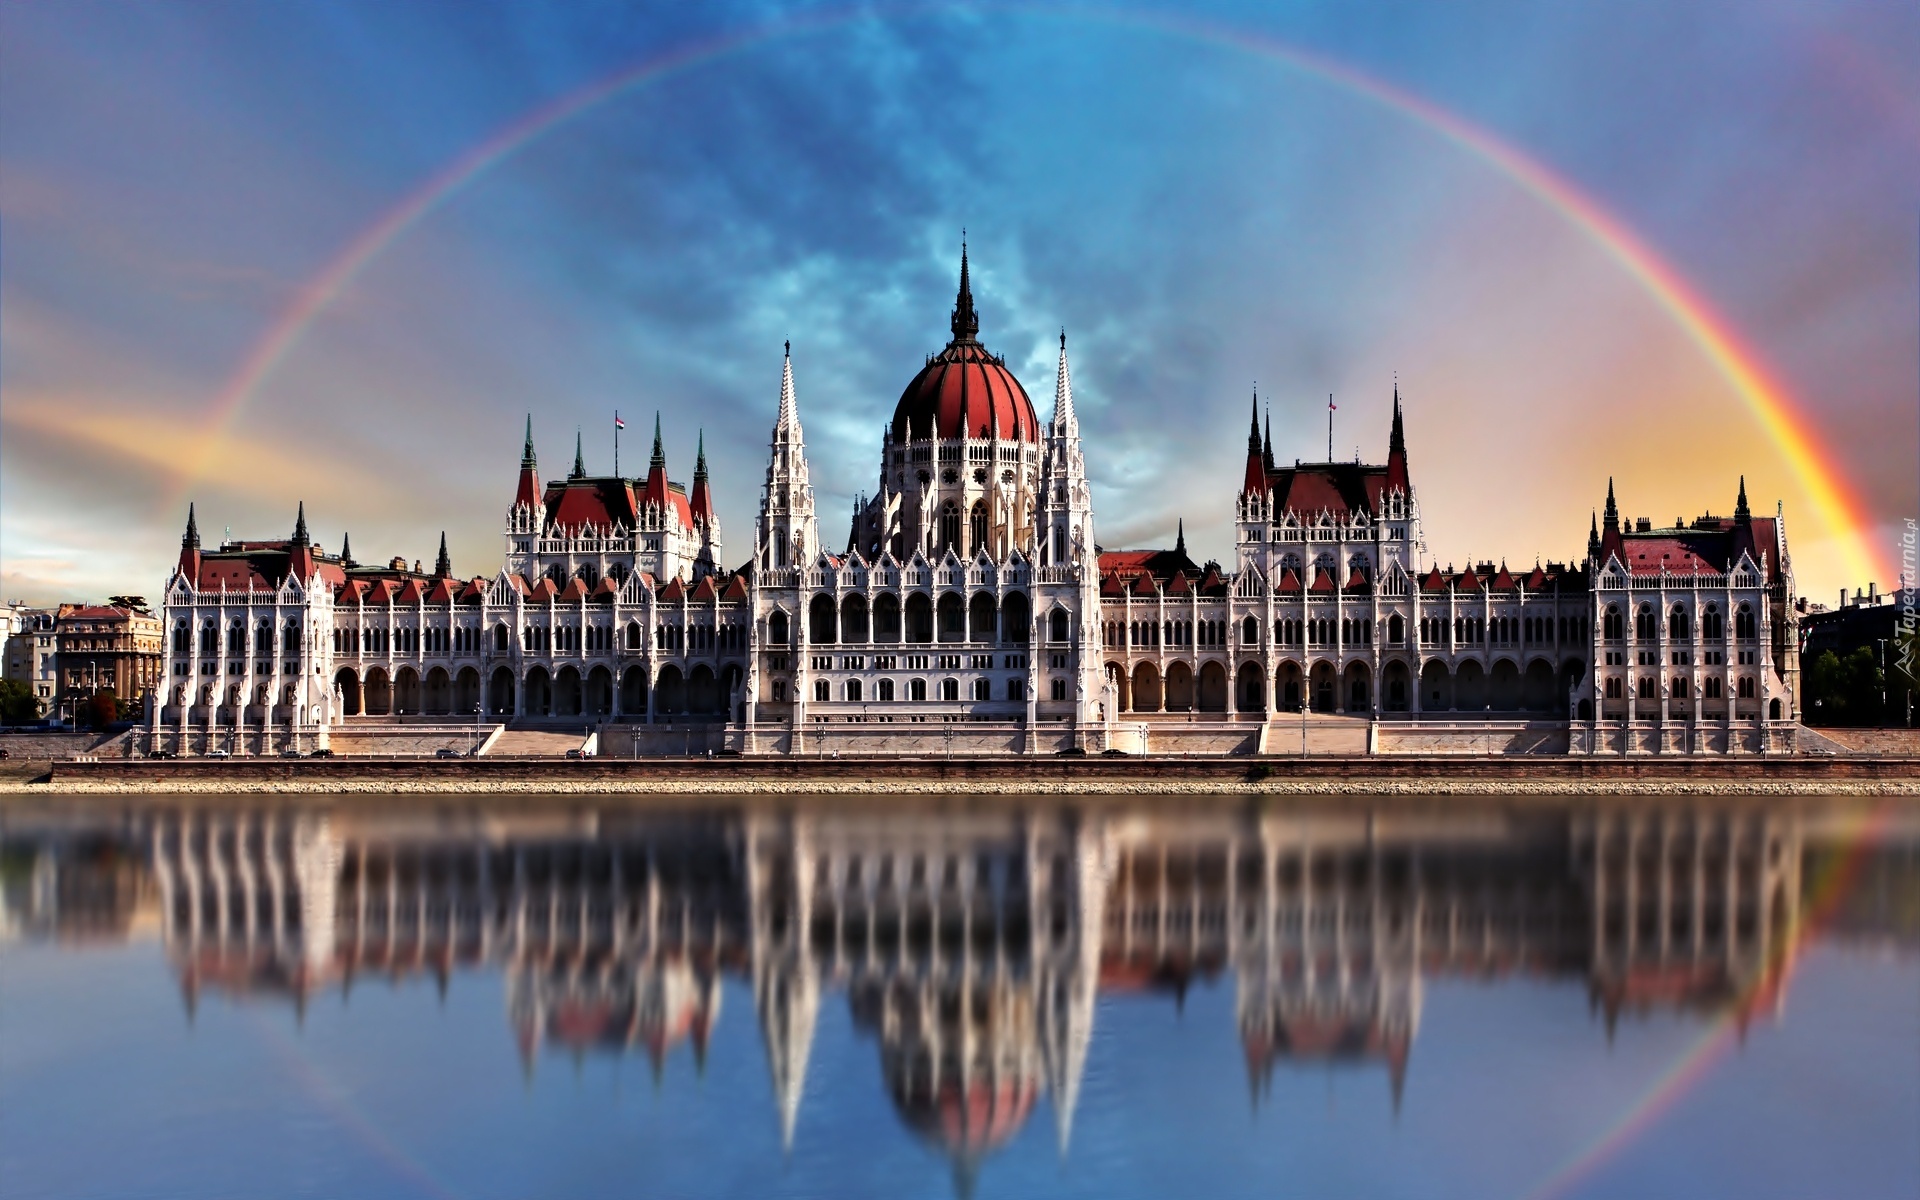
x=99 y=711
x=17 y=703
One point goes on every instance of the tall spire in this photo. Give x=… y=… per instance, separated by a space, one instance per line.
x=1740 y=510
x=659 y=460
x=1593 y=536
x=300 y=537
x=1063 y=390
x=702 y=498
x=1397 y=476
x=346 y=550
x=191 y=539
x=527 y=460
x=1180 y=539
x=789 y=410
x=1253 y=437
x=443 y=565
x=966 y=322
x=1266 y=441
x=700 y=458
x=1613 y=510
x=579 y=458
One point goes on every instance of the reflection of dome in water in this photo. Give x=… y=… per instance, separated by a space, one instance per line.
x=972 y=1121
x=964 y=390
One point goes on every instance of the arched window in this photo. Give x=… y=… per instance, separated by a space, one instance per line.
x=633 y=635
x=777 y=631
x=1643 y=626
x=917 y=690
x=1677 y=623
x=1058 y=622
x=853 y=691
x=949 y=689
x=1396 y=630
x=1250 y=631
x=1679 y=688
x=1612 y=624
x=949 y=527
x=290 y=639
x=500 y=636
x=182 y=637
x=886 y=691
x=1745 y=628
x=1712 y=628
x=978 y=520
x=1746 y=687
x=983 y=689
x=1016 y=689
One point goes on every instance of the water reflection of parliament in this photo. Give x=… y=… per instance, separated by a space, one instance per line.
x=973 y=945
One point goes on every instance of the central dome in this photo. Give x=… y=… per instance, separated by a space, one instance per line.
x=964 y=390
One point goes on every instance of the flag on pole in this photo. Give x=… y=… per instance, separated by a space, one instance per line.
x=617 y=422
x=1331 y=406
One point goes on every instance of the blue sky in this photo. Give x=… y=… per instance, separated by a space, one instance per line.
x=1198 y=217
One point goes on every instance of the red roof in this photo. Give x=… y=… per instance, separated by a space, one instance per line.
x=1339 y=489
x=1128 y=565
x=965 y=387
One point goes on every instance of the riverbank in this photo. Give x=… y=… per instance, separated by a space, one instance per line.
x=1356 y=775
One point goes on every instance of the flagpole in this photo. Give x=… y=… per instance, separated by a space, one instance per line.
x=616 y=443
x=1329 y=426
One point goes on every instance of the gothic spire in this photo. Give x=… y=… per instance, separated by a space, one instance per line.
x=579 y=458
x=191 y=539
x=1266 y=441
x=1397 y=440
x=659 y=460
x=443 y=565
x=700 y=458
x=1063 y=390
x=526 y=452
x=1593 y=535
x=1253 y=438
x=346 y=550
x=1613 y=510
x=789 y=417
x=1180 y=539
x=966 y=322
x=300 y=527
x=1740 y=510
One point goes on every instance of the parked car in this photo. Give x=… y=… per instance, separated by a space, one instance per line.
x=218 y=754
x=161 y=754
x=323 y=752
x=1071 y=752
x=1113 y=752
x=446 y=752
x=289 y=752
x=576 y=753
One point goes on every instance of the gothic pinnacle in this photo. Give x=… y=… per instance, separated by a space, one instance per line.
x=191 y=539
x=526 y=452
x=443 y=565
x=300 y=526
x=579 y=458
x=966 y=322
x=659 y=460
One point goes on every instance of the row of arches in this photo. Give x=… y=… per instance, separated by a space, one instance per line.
x=568 y=692
x=919 y=619
x=1647 y=623
x=1325 y=688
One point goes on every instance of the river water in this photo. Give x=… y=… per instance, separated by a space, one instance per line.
x=1476 y=998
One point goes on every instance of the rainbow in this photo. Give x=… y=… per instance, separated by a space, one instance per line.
x=1723 y=1034
x=1780 y=418
x=329 y=1096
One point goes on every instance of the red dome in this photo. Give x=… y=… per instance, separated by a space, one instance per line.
x=963 y=390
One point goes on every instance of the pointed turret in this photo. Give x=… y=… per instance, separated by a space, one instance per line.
x=443 y=565
x=579 y=458
x=1397 y=477
x=1613 y=510
x=1064 y=421
x=1180 y=539
x=1741 y=513
x=1254 y=483
x=1266 y=441
x=527 y=495
x=190 y=548
x=702 y=493
x=654 y=492
x=787 y=531
x=966 y=322
x=1593 y=535
x=346 y=551
x=300 y=561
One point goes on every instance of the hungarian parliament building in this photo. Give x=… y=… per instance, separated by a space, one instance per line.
x=971 y=609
